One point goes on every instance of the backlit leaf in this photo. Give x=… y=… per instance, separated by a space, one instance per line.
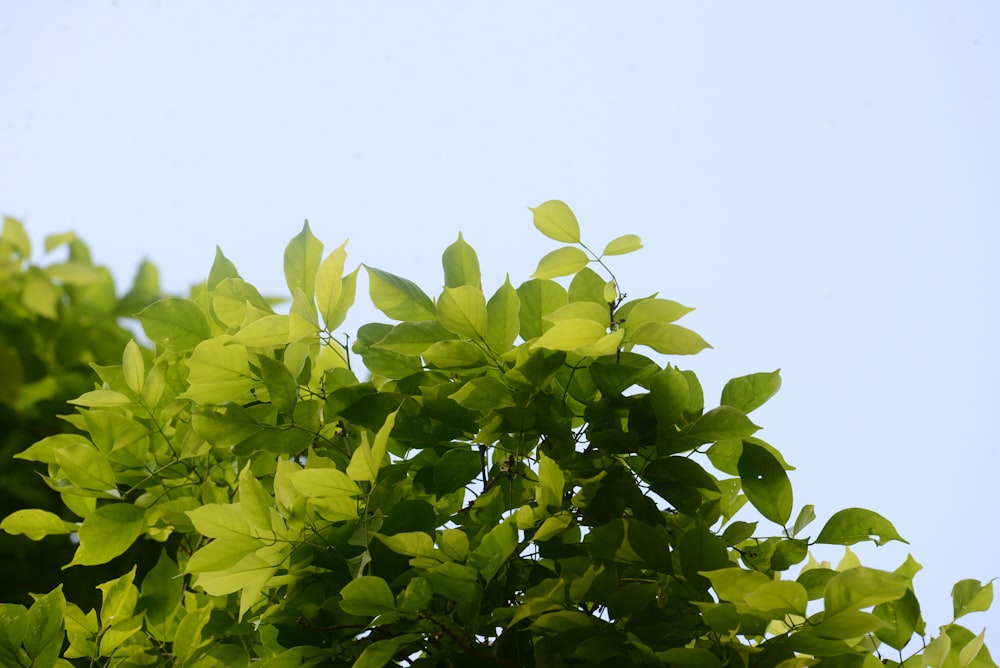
x=367 y=596
x=503 y=321
x=627 y=243
x=556 y=220
x=747 y=393
x=176 y=324
x=461 y=265
x=561 y=262
x=571 y=334
x=853 y=525
x=399 y=298
x=666 y=338
x=107 y=532
x=330 y=283
x=538 y=299
x=36 y=524
x=971 y=596
x=862 y=587
x=462 y=310
x=302 y=260
x=133 y=366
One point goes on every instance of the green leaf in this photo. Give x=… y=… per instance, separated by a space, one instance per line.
x=496 y=547
x=381 y=652
x=462 y=310
x=222 y=268
x=805 y=518
x=765 y=483
x=367 y=596
x=86 y=467
x=399 y=298
x=36 y=524
x=43 y=634
x=901 y=617
x=971 y=650
x=302 y=260
x=281 y=384
x=668 y=393
x=538 y=299
x=666 y=338
x=101 y=399
x=503 y=322
x=627 y=243
x=484 y=394
x=118 y=599
x=734 y=584
x=13 y=623
x=569 y=335
x=175 y=324
x=107 y=532
x=265 y=332
x=454 y=355
x=585 y=310
x=779 y=598
x=413 y=338
x=862 y=587
x=366 y=461
x=853 y=525
x=161 y=592
x=971 y=596
x=721 y=423
x=748 y=393
x=410 y=543
x=14 y=234
x=461 y=265
x=555 y=220
x=330 y=283
x=219 y=371
x=133 y=367
x=220 y=520
x=456 y=468
x=588 y=286
x=561 y=262
x=652 y=309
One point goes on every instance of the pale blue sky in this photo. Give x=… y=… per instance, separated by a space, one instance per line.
x=822 y=181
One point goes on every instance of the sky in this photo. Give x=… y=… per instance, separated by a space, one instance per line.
x=820 y=180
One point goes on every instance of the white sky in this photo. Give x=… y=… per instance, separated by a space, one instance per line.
x=821 y=181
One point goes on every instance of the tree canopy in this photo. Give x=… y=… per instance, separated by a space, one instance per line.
x=514 y=476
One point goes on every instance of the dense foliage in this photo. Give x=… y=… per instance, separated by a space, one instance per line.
x=55 y=321
x=498 y=478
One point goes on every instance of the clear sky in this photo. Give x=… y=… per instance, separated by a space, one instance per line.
x=821 y=180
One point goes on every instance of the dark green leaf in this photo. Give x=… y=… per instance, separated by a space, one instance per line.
x=765 y=483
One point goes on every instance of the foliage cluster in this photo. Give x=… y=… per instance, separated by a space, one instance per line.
x=493 y=478
x=55 y=321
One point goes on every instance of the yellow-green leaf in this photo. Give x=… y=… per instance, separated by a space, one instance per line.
x=36 y=524
x=330 y=283
x=302 y=259
x=461 y=265
x=561 y=262
x=556 y=220
x=627 y=243
x=367 y=460
x=571 y=334
x=666 y=338
x=399 y=298
x=462 y=311
x=133 y=367
x=266 y=332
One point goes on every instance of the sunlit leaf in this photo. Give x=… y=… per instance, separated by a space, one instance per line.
x=176 y=324
x=462 y=310
x=666 y=338
x=627 y=243
x=747 y=393
x=107 y=532
x=367 y=596
x=555 y=220
x=862 y=587
x=302 y=260
x=399 y=298
x=330 y=283
x=853 y=525
x=461 y=265
x=571 y=334
x=971 y=596
x=561 y=262
x=503 y=322
x=36 y=524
